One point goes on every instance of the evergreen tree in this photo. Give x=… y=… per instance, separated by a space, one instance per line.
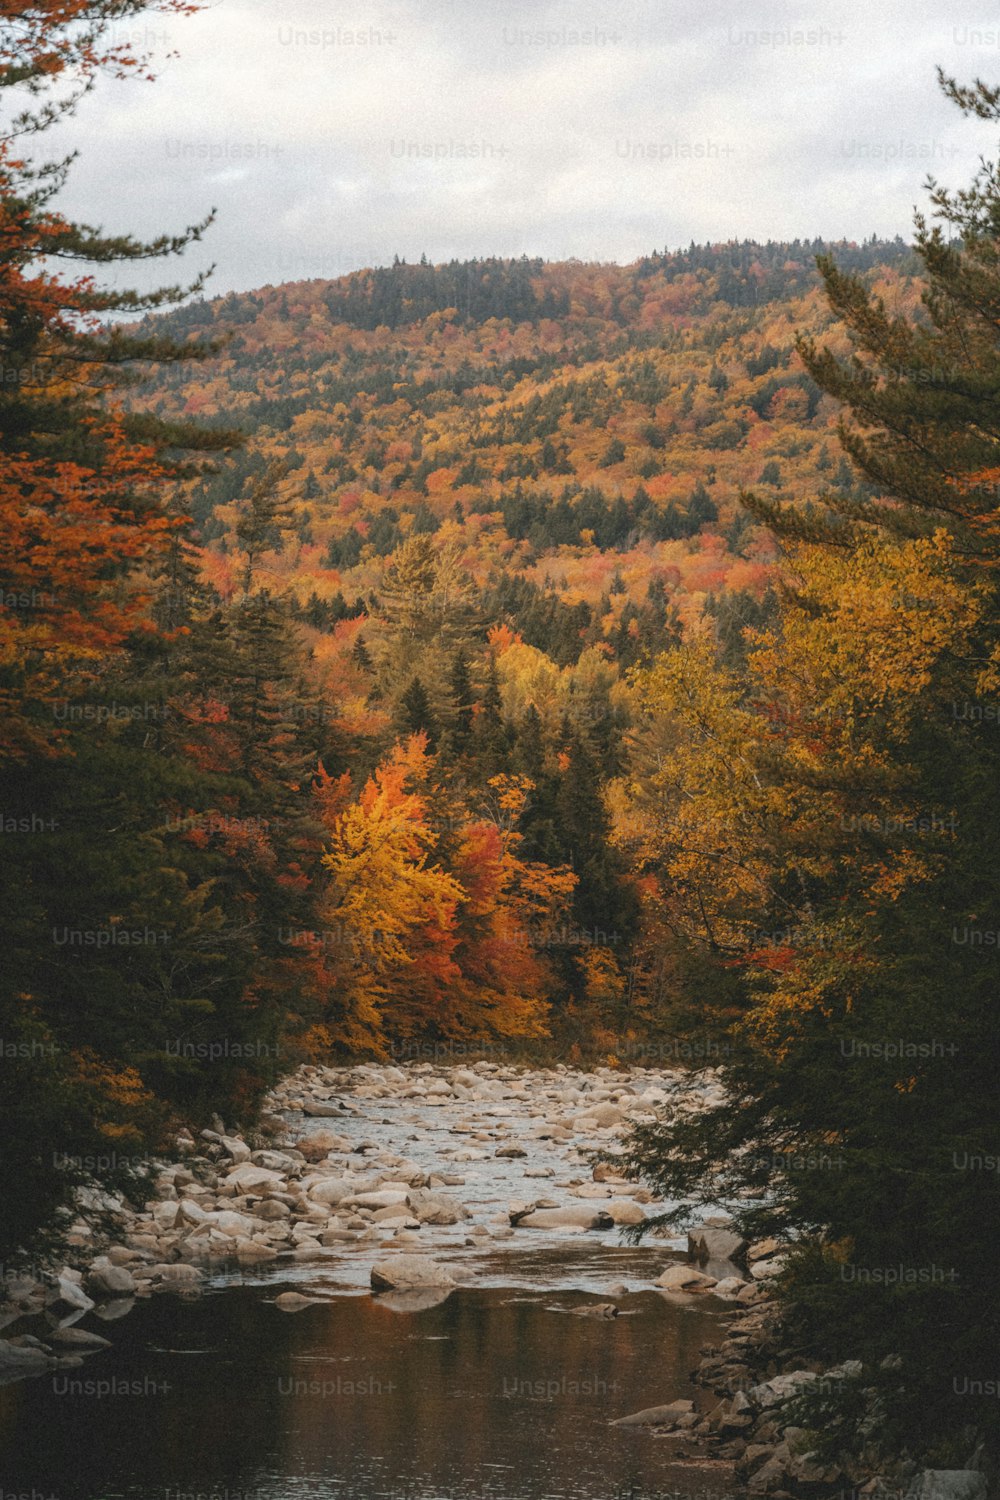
x=492 y=738
x=417 y=716
x=702 y=509
x=462 y=703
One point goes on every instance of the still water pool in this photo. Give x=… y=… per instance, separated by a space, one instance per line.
x=498 y=1391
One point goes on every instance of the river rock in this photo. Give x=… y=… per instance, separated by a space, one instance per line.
x=601 y=1117
x=105 y=1281
x=752 y=1293
x=271 y=1209
x=729 y=1287
x=708 y=1243
x=625 y=1211
x=276 y=1161
x=772 y=1392
x=23 y=1289
x=577 y=1216
x=394 y=1218
x=189 y=1211
x=656 y=1416
x=69 y=1295
x=387 y=1198
x=165 y=1215
x=605 y=1171
x=308 y=1231
x=321 y=1109
x=238 y=1150
x=227 y=1221
x=252 y=1252
x=319 y=1145
x=26 y=1359
x=679 y=1278
x=517 y=1208
x=248 y=1178
x=294 y=1301
x=125 y=1255
x=146 y=1243
x=176 y=1275
x=764 y=1249
x=330 y=1190
x=404 y=1272
x=436 y=1208
x=763 y=1270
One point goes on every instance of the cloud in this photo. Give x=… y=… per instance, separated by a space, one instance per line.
x=333 y=136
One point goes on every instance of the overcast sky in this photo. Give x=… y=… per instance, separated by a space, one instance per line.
x=332 y=134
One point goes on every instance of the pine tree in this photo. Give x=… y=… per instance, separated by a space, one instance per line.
x=702 y=509
x=360 y=655
x=462 y=703
x=492 y=736
x=416 y=714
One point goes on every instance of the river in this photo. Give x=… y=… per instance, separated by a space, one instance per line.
x=499 y=1388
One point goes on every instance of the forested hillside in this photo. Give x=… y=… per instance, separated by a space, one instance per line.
x=589 y=427
x=329 y=723
x=492 y=489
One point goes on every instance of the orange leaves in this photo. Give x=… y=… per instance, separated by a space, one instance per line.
x=117 y=1094
x=71 y=527
x=877 y=623
x=775 y=959
x=425 y=946
x=441 y=481
x=69 y=37
x=500 y=638
x=66 y=536
x=389 y=908
x=331 y=794
x=389 y=789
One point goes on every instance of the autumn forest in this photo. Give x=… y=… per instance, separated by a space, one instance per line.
x=508 y=658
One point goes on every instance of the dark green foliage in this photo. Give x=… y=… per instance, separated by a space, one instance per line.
x=734 y=267
x=416 y=715
x=395 y=295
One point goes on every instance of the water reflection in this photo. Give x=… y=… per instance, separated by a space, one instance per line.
x=493 y=1392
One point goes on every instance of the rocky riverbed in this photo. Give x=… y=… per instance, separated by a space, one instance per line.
x=408 y=1183
x=353 y=1166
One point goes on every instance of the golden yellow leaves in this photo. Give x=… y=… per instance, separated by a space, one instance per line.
x=871 y=625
